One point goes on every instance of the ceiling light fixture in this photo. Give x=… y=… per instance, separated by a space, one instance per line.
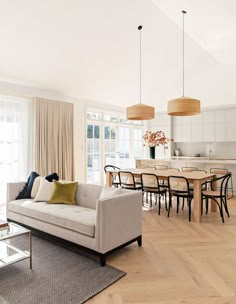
x=140 y=111
x=184 y=106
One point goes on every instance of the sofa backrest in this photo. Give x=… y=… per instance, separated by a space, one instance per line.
x=87 y=195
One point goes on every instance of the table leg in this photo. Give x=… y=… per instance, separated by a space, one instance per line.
x=109 y=179
x=197 y=201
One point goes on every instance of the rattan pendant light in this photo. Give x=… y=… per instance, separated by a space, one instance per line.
x=140 y=111
x=184 y=106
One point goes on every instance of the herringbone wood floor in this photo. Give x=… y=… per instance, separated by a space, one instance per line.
x=179 y=262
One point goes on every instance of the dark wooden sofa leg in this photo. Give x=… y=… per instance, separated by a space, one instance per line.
x=139 y=240
x=103 y=259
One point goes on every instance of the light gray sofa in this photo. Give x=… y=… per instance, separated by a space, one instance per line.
x=101 y=224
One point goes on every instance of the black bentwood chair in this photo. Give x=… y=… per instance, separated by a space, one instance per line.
x=151 y=185
x=219 y=196
x=115 y=178
x=127 y=181
x=179 y=188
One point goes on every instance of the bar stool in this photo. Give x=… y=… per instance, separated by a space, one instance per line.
x=223 y=171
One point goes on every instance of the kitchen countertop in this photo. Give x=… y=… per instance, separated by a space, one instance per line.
x=195 y=159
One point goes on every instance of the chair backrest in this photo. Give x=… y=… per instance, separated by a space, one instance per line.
x=222 y=181
x=110 y=168
x=161 y=167
x=189 y=169
x=178 y=184
x=219 y=171
x=200 y=170
x=149 y=180
x=126 y=179
x=173 y=169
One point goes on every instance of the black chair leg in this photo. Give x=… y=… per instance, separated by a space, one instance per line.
x=222 y=215
x=206 y=205
x=183 y=204
x=159 y=204
x=168 y=214
x=177 y=205
x=165 y=200
x=189 y=210
x=226 y=207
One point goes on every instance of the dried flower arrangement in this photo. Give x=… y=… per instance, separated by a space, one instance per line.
x=154 y=139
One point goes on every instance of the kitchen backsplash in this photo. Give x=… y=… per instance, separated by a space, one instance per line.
x=219 y=149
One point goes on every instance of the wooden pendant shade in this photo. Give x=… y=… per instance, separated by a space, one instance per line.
x=184 y=106
x=140 y=112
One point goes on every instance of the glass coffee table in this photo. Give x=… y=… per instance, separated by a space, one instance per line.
x=11 y=253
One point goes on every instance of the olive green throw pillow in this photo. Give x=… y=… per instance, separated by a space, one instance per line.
x=63 y=193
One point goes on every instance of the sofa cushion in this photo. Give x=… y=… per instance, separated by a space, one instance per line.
x=63 y=193
x=72 y=217
x=87 y=195
x=45 y=191
x=50 y=178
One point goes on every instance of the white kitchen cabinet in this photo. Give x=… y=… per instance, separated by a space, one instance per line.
x=217 y=125
x=230 y=131
x=196 y=133
x=230 y=115
x=177 y=133
x=208 y=126
x=220 y=131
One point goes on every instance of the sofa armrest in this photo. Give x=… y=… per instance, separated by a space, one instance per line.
x=13 y=190
x=119 y=220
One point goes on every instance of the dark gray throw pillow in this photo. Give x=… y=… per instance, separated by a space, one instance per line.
x=51 y=177
x=26 y=191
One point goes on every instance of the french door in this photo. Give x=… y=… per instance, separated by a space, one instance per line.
x=111 y=144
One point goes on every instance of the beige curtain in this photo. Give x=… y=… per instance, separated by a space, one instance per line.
x=54 y=138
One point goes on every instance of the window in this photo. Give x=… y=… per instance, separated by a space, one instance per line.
x=111 y=139
x=138 y=142
x=14 y=141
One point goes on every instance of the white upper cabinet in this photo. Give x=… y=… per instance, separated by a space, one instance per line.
x=196 y=125
x=230 y=124
x=220 y=128
x=210 y=126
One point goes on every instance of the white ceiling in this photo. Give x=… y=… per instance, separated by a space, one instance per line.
x=89 y=49
x=210 y=23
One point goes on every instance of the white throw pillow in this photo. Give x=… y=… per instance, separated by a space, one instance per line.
x=46 y=189
x=35 y=187
x=110 y=192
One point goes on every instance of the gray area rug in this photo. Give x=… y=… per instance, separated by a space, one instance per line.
x=59 y=276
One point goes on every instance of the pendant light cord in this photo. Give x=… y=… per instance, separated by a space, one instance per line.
x=184 y=12
x=140 y=63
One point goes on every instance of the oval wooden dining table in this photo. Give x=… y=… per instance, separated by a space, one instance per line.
x=196 y=178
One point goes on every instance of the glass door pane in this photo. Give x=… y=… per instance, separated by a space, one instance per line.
x=109 y=145
x=93 y=161
x=124 y=147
